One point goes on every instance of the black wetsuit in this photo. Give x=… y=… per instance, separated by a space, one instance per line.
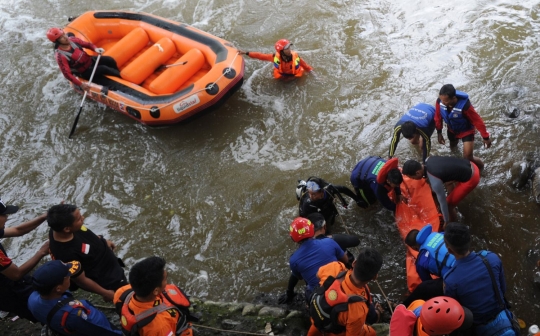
x=325 y=205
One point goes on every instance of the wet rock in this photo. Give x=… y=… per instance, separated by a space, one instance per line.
x=228 y=324
x=294 y=313
x=521 y=173
x=250 y=309
x=216 y=303
x=272 y=311
x=514 y=112
x=235 y=307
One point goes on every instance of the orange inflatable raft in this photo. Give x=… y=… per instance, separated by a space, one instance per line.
x=170 y=71
x=419 y=211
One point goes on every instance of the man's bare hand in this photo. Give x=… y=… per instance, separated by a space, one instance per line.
x=440 y=138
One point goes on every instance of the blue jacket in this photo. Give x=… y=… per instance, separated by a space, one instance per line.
x=470 y=284
x=364 y=178
x=455 y=120
x=422 y=115
x=433 y=256
x=81 y=318
x=310 y=256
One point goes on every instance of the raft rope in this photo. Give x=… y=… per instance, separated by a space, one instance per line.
x=208 y=87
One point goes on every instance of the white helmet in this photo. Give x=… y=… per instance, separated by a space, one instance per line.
x=300 y=189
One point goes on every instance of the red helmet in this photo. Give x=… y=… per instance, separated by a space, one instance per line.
x=441 y=315
x=54 y=33
x=282 y=44
x=301 y=228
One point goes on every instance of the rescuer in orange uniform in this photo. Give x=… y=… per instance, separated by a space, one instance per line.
x=343 y=296
x=287 y=63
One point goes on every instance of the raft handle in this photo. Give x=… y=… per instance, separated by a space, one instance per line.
x=212 y=89
x=229 y=73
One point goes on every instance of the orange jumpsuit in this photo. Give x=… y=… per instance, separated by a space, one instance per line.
x=354 y=319
x=286 y=66
x=164 y=324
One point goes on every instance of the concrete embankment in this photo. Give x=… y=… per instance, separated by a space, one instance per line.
x=216 y=318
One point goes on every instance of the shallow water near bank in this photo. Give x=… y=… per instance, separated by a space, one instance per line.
x=215 y=196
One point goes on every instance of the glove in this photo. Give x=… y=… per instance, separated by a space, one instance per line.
x=99 y=50
x=286 y=298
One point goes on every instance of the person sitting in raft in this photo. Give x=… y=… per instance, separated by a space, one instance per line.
x=441 y=315
x=364 y=179
x=74 y=61
x=317 y=195
x=433 y=259
x=415 y=125
x=287 y=63
x=53 y=305
x=440 y=170
x=309 y=257
x=462 y=121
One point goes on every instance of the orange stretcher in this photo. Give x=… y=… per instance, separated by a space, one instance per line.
x=419 y=211
x=170 y=71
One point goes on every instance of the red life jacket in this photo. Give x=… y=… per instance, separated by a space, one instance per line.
x=77 y=58
x=175 y=301
x=328 y=301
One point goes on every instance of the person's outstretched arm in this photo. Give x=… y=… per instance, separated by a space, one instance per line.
x=25 y=227
x=13 y=272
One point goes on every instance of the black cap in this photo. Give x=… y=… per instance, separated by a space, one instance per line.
x=7 y=209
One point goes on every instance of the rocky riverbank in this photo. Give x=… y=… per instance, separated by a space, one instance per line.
x=216 y=318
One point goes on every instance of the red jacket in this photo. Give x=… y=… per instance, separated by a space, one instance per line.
x=65 y=65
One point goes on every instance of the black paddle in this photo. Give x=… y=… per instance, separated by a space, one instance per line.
x=84 y=97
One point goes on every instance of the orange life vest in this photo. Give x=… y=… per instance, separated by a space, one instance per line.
x=328 y=301
x=281 y=71
x=174 y=301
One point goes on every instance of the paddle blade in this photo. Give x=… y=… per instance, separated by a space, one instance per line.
x=75 y=122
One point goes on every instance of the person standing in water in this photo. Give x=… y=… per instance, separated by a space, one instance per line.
x=462 y=120
x=287 y=63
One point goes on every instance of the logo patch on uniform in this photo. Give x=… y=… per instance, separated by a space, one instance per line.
x=85 y=248
x=82 y=314
x=332 y=295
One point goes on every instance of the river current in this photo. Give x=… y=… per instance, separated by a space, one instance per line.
x=215 y=196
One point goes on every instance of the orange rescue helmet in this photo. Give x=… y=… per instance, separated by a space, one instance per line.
x=442 y=315
x=54 y=34
x=301 y=228
x=282 y=44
